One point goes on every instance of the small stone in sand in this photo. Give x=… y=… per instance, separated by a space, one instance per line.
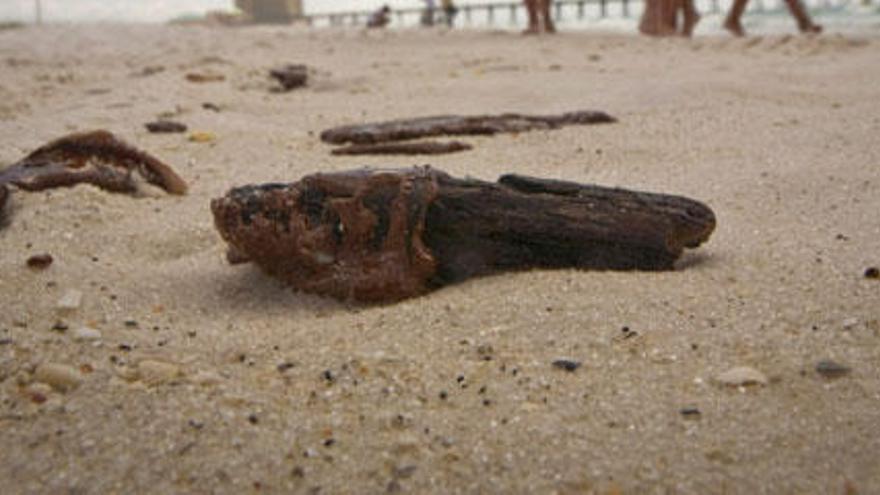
x=831 y=369
x=285 y=366
x=872 y=272
x=59 y=376
x=690 y=412
x=198 y=77
x=741 y=376
x=71 y=300
x=86 y=334
x=567 y=364
x=202 y=137
x=849 y=323
x=38 y=392
x=153 y=372
x=40 y=261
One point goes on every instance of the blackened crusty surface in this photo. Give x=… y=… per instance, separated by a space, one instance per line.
x=404 y=148
x=390 y=234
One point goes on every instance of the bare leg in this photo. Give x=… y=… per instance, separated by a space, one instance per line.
x=669 y=15
x=732 y=23
x=805 y=24
x=649 y=25
x=546 y=5
x=532 y=10
x=691 y=18
x=658 y=19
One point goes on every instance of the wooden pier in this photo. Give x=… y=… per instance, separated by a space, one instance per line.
x=511 y=13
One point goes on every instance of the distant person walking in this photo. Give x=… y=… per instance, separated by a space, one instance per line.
x=795 y=7
x=428 y=14
x=379 y=18
x=539 y=17
x=449 y=12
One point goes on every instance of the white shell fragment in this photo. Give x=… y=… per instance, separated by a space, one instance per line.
x=741 y=376
x=71 y=300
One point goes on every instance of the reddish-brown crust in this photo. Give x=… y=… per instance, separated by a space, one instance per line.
x=95 y=157
x=350 y=236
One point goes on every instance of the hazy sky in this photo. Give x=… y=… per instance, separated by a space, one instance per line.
x=161 y=10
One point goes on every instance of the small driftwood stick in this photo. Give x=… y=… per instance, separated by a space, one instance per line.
x=165 y=127
x=97 y=158
x=451 y=125
x=386 y=235
x=406 y=148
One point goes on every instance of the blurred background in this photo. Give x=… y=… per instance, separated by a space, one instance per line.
x=768 y=15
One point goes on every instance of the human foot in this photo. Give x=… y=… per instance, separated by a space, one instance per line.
x=810 y=28
x=734 y=27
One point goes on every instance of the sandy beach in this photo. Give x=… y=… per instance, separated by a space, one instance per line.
x=194 y=376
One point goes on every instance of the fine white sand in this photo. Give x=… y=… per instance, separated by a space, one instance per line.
x=183 y=392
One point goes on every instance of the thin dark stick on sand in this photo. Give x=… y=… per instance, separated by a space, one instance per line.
x=405 y=148
x=451 y=125
x=165 y=127
x=4 y=197
x=96 y=158
x=383 y=236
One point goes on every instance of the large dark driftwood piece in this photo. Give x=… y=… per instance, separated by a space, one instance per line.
x=405 y=148
x=97 y=158
x=450 y=125
x=387 y=235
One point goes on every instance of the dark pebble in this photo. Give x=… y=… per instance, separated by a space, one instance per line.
x=872 y=272
x=40 y=261
x=210 y=106
x=165 y=126
x=290 y=76
x=252 y=419
x=329 y=442
x=60 y=326
x=443 y=395
x=285 y=366
x=6 y=341
x=567 y=364
x=690 y=412
x=328 y=375
x=831 y=369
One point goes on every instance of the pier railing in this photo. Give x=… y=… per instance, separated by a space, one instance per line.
x=512 y=13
